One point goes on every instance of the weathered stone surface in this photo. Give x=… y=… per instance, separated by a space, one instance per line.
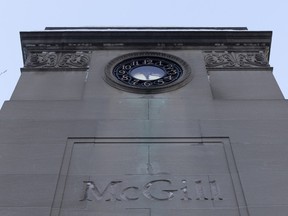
x=244 y=84
x=73 y=145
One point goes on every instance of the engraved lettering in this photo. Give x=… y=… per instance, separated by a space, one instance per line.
x=200 y=195
x=124 y=194
x=215 y=191
x=91 y=191
x=147 y=191
x=185 y=191
x=157 y=190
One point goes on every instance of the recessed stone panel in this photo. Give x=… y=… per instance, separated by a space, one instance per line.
x=184 y=174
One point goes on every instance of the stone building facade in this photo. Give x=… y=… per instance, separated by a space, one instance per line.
x=145 y=122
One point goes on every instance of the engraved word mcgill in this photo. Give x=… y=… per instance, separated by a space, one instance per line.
x=157 y=190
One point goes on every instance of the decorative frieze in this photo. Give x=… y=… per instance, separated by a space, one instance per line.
x=235 y=59
x=57 y=60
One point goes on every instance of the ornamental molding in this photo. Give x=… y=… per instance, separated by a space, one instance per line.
x=57 y=60
x=225 y=59
x=106 y=45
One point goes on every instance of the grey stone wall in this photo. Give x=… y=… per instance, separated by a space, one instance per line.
x=71 y=144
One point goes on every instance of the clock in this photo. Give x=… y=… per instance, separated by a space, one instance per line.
x=147 y=72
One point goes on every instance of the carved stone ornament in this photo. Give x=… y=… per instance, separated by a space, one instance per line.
x=235 y=60
x=43 y=59
x=57 y=60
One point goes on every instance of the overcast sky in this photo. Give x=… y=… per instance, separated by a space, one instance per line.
x=32 y=15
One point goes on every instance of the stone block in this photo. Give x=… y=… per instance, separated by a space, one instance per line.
x=30 y=159
x=27 y=190
x=50 y=86
x=244 y=85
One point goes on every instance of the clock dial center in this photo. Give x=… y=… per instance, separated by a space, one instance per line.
x=147 y=73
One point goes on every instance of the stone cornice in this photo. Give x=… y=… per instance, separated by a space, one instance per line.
x=191 y=38
x=84 y=40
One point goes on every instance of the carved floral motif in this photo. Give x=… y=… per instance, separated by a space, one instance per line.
x=78 y=59
x=233 y=59
x=44 y=59
x=56 y=60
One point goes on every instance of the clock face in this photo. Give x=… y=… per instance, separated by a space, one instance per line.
x=146 y=72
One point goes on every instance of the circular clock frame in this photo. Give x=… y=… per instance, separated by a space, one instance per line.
x=147 y=72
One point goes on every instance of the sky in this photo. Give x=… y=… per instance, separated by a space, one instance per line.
x=33 y=15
